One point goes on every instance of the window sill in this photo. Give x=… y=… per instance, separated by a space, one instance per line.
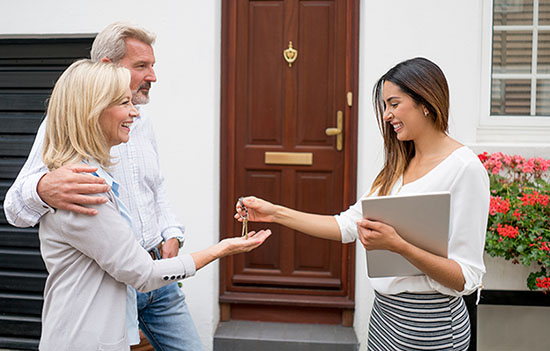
x=514 y=134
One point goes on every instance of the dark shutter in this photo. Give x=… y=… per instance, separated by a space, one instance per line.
x=28 y=71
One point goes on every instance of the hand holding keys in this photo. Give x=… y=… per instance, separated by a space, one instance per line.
x=244 y=232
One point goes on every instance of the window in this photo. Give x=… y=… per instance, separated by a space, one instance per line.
x=517 y=86
x=521 y=58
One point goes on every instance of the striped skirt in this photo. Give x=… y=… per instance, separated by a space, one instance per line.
x=418 y=321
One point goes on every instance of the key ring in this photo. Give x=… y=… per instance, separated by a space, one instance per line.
x=243 y=207
x=244 y=231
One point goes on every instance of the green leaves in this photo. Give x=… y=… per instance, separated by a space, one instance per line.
x=519 y=216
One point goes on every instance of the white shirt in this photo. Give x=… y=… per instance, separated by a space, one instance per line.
x=138 y=172
x=463 y=175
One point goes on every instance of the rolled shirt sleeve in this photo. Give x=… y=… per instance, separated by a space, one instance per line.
x=347 y=221
x=22 y=205
x=468 y=223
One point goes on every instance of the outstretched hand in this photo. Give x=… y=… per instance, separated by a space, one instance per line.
x=231 y=246
x=66 y=188
x=259 y=210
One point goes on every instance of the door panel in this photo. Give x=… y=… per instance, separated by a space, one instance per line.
x=315 y=257
x=268 y=184
x=263 y=82
x=270 y=106
x=317 y=83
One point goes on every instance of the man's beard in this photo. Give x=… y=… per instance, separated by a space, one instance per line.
x=139 y=97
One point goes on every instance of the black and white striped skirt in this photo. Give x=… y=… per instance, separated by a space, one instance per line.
x=418 y=321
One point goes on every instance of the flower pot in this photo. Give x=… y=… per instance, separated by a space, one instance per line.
x=504 y=275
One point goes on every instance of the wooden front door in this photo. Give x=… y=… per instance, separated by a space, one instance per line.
x=275 y=116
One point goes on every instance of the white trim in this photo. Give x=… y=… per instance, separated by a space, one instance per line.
x=521 y=76
x=486 y=66
x=534 y=57
x=511 y=134
x=504 y=129
x=523 y=28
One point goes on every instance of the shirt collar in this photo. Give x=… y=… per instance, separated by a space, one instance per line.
x=103 y=174
x=140 y=110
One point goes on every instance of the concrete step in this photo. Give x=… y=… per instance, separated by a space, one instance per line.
x=264 y=336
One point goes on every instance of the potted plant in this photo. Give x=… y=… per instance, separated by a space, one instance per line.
x=519 y=215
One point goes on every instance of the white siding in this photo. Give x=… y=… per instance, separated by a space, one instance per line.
x=185 y=101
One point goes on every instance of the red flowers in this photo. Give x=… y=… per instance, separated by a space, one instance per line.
x=494 y=163
x=519 y=213
x=483 y=157
x=534 y=198
x=543 y=283
x=507 y=231
x=498 y=205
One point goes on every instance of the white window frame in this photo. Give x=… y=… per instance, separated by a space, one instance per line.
x=507 y=129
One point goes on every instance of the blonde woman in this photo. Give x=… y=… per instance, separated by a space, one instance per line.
x=91 y=259
x=424 y=312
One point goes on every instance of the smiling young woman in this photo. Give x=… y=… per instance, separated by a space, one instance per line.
x=425 y=311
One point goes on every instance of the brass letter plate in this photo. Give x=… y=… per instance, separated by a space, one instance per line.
x=289 y=158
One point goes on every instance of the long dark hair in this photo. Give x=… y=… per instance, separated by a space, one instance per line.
x=425 y=83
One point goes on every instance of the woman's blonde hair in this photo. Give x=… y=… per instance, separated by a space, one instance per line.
x=426 y=84
x=81 y=94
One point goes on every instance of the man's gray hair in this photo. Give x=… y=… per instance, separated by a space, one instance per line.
x=110 y=43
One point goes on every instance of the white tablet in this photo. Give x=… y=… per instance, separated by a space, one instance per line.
x=422 y=220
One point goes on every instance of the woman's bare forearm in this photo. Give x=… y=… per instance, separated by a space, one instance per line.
x=320 y=226
x=443 y=270
x=229 y=246
x=206 y=256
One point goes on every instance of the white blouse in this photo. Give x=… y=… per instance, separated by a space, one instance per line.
x=463 y=175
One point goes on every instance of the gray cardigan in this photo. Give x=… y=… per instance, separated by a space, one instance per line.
x=90 y=259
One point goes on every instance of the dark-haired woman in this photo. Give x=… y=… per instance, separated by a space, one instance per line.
x=424 y=312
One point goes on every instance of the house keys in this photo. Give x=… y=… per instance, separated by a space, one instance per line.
x=244 y=232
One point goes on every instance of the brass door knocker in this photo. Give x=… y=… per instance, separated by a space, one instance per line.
x=290 y=54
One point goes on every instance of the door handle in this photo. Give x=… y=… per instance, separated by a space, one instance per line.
x=338 y=131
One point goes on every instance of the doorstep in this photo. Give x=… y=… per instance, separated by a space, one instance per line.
x=267 y=336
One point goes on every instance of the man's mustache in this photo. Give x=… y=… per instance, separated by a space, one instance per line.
x=146 y=85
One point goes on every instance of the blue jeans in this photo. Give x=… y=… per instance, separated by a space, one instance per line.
x=165 y=320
